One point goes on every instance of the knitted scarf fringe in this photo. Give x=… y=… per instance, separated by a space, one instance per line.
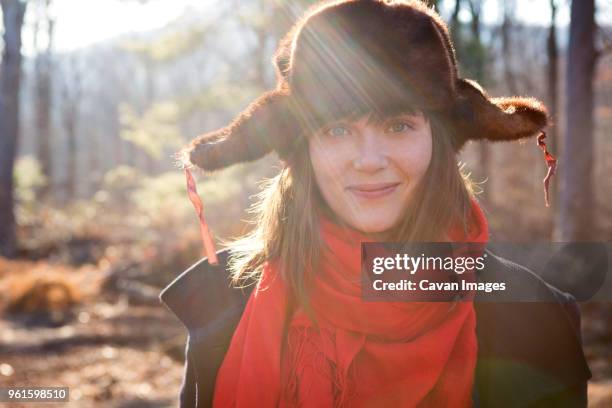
x=298 y=338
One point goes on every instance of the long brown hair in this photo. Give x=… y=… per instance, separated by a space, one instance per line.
x=287 y=210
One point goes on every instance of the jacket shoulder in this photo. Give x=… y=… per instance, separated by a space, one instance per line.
x=528 y=339
x=203 y=298
x=521 y=283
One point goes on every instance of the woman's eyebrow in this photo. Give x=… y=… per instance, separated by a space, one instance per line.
x=377 y=118
x=409 y=112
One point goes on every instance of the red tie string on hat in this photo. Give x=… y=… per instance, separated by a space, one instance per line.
x=551 y=162
x=209 y=245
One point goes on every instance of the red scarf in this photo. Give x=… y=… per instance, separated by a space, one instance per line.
x=401 y=354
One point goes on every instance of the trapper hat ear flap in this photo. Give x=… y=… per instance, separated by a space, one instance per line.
x=265 y=125
x=476 y=116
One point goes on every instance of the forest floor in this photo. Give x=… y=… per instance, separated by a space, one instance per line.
x=122 y=348
x=111 y=344
x=118 y=358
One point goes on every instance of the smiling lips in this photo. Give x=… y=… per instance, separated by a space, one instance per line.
x=373 y=190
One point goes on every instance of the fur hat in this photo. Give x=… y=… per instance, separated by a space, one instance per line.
x=349 y=57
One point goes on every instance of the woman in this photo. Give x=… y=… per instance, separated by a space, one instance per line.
x=367 y=116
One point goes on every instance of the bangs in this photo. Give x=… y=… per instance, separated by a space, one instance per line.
x=379 y=107
x=379 y=117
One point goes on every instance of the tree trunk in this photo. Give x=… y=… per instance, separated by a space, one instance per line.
x=150 y=94
x=576 y=203
x=455 y=28
x=70 y=92
x=506 y=30
x=118 y=143
x=43 y=67
x=71 y=183
x=10 y=76
x=479 y=73
x=552 y=50
x=94 y=170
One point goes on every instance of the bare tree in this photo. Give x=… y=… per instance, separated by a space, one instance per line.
x=476 y=59
x=10 y=81
x=576 y=200
x=71 y=90
x=43 y=73
x=509 y=8
x=153 y=54
x=552 y=71
x=454 y=23
x=108 y=100
x=478 y=66
x=269 y=20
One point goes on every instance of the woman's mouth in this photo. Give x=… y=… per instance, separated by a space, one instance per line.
x=373 y=190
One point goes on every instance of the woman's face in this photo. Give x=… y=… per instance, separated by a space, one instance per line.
x=367 y=171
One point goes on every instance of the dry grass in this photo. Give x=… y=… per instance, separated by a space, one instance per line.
x=29 y=287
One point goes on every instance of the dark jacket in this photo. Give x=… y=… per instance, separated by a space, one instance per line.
x=529 y=353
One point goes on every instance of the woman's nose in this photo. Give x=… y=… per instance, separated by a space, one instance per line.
x=370 y=155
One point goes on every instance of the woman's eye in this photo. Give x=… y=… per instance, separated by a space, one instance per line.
x=398 y=127
x=337 y=131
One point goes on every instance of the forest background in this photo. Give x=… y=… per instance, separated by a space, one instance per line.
x=97 y=95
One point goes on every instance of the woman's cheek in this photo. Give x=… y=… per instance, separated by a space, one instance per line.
x=327 y=165
x=415 y=160
x=324 y=171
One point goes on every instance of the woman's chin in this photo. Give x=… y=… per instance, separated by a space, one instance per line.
x=373 y=226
